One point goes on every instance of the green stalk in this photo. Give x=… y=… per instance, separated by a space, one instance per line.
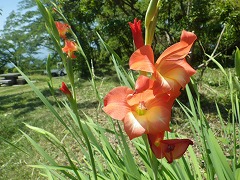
x=69 y=69
x=230 y=82
x=152 y=159
x=150 y=12
x=75 y=111
x=73 y=103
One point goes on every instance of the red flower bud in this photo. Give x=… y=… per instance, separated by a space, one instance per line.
x=137 y=33
x=65 y=90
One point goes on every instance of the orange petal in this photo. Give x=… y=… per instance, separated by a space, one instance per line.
x=137 y=33
x=175 y=52
x=158 y=119
x=142 y=59
x=143 y=83
x=69 y=48
x=165 y=86
x=115 y=103
x=168 y=65
x=175 y=88
x=62 y=29
x=145 y=96
x=174 y=148
x=180 y=73
x=65 y=89
x=156 y=116
x=132 y=126
x=179 y=50
x=188 y=37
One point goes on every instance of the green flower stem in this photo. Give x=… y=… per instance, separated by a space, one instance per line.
x=73 y=103
x=82 y=53
x=69 y=69
x=152 y=159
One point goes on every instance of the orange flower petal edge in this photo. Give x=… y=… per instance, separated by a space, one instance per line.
x=175 y=148
x=142 y=59
x=62 y=28
x=69 y=48
x=179 y=50
x=172 y=65
x=115 y=102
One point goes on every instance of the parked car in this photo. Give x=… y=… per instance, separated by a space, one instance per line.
x=57 y=72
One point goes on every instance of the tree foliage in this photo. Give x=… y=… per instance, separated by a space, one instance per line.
x=24 y=33
x=110 y=18
x=23 y=37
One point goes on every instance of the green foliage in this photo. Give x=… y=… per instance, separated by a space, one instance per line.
x=110 y=19
x=237 y=62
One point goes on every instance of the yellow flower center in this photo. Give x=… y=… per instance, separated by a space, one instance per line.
x=141 y=108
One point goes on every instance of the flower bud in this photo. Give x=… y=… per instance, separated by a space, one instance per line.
x=150 y=12
x=137 y=33
x=65 y=90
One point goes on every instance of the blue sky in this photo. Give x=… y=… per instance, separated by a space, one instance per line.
x=7 y=7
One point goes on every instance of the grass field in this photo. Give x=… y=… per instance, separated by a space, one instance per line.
x=19 y=105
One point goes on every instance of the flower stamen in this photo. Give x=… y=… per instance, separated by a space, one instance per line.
x=141 y=109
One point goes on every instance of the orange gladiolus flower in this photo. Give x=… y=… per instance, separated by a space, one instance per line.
x=141 y=111
x=62 y=28
x=137 y=33
x=171 y=149
x=171 y=69
x=69 y=48
x=65 y=90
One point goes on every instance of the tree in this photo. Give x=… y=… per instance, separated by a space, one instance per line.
x=23 y=37
x=110 y=19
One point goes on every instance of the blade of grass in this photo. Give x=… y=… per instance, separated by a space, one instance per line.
x=218 y=159
x=44 y=154
x=13 y=145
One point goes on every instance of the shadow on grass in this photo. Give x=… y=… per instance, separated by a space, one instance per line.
x=23 y=102
x=88 y=104
x=15 y=110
